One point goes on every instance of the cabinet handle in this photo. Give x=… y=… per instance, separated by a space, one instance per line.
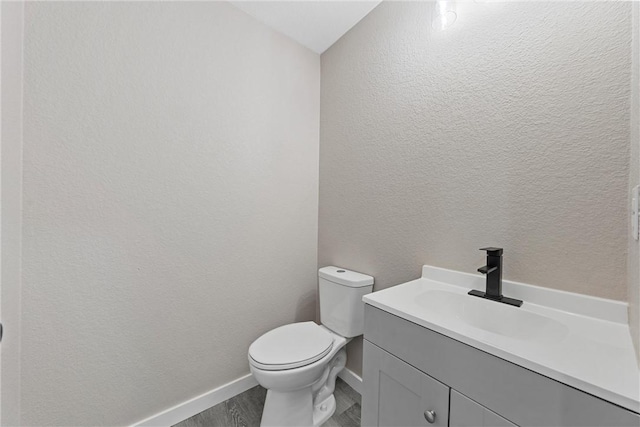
x=430 y=416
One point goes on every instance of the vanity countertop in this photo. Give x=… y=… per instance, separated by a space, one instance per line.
x=579 y=340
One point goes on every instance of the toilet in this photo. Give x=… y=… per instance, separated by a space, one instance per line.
x=298 y=363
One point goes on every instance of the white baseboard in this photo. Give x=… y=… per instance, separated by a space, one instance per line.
x=198 y=404
x=211 y=398
x=351 y=378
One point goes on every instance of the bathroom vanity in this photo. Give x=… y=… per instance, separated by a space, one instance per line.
x=434 y=355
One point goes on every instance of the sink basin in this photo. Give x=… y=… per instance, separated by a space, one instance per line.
x=513 y=322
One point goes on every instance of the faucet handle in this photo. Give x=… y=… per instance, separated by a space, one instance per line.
x=487 y=269
x=492 y=251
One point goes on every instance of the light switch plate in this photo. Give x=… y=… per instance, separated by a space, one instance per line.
x=635 y=201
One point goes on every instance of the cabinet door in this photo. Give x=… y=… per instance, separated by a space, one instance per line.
x=395 y=394
x=467 y=413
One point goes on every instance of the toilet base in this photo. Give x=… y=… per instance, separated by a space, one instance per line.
x=323 y=411
x=294 y=409
x=288 y=409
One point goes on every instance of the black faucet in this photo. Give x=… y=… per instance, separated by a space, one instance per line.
x=493 y=271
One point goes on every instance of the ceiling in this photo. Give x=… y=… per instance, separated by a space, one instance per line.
x=314 y=24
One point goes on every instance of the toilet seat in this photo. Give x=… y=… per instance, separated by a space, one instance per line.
x=290 y=346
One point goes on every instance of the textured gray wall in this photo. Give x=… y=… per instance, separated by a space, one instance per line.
x=634 y=179
x=170 y=202
x=12 y=32
x=510 y=129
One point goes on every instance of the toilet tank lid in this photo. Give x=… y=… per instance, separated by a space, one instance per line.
x=345 y=277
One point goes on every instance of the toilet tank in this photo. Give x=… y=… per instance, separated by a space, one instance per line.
x=341 y=306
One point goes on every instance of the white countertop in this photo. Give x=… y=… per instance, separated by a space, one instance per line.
x=579 y=340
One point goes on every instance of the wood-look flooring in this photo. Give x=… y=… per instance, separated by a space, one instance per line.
x=245 y=410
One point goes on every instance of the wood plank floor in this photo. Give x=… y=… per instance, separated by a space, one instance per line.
x=245 y=410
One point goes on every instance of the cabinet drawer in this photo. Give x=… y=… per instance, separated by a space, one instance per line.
x=396 y=394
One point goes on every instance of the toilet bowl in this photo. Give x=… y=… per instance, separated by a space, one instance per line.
x=298 y=363
x=301 y=395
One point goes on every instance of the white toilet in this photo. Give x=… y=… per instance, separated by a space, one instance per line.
x=298 y=363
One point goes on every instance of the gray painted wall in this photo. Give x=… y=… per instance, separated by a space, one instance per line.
x=11 y=130
x=509 y=129
x=634 y=179
x=170 y=202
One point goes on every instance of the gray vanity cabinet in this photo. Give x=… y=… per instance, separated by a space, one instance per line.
x=399 y=395
x=409 y=369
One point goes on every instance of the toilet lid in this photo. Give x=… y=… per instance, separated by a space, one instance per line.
x=290 y=346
